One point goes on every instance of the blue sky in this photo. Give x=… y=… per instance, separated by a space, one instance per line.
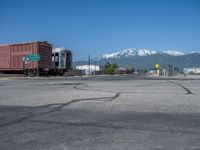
x=94 y=27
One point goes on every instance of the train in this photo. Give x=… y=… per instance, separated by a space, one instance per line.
x=18 y=58
x=61 y=61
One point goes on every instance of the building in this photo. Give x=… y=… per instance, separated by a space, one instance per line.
x=191 y=70
x=88 y=69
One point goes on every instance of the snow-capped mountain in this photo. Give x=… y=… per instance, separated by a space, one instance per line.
x=145 y=58
x=139 y=52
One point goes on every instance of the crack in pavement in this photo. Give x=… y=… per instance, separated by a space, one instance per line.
x=186 y=89
x=77 y=87
x=84 y=99
x=59 y=107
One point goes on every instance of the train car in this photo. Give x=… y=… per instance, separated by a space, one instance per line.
x=61 y=60
x=12 y=57
x=5 y=56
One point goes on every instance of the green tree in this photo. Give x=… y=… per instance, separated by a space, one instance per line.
x=107 y=65
x=115 y=65
x=110 y=68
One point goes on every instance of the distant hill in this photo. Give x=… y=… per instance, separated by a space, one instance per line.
x=144 y=58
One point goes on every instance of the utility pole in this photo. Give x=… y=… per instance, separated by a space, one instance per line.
x=95 y=63
x=37 y=68
x=89 y=63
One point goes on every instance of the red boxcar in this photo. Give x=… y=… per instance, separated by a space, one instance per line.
x=11 y=56
x=4 y=57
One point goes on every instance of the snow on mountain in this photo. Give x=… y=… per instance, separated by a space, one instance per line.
x=129 y=52
x=145 y=52
x=173 y=53
x=112 y=55
x=139 y=52
x=193 y=52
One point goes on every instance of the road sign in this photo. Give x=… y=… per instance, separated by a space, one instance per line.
x=157 y=66
x=32 y=57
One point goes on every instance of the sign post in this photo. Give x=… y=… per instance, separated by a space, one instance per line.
x=34 y=58
x=157 y=69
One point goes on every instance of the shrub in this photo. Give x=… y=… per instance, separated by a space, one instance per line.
x=110 y=68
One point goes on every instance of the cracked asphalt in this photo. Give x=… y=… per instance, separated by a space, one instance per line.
x=102 y=112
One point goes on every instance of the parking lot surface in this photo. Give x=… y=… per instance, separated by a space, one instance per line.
x=105 y=112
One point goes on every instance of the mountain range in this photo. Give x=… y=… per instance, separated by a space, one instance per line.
x=144 y=58
x=141 y=52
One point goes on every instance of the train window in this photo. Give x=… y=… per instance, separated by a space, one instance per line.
x=63 y=55
x=56 y=59
x=56 y=64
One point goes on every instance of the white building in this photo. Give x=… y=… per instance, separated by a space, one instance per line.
x=88 y=69
x=191 y=70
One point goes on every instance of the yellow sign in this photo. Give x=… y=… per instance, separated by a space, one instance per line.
x=157 y=66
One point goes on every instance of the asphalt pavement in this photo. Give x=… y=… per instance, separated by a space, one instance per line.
x=102 y=112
